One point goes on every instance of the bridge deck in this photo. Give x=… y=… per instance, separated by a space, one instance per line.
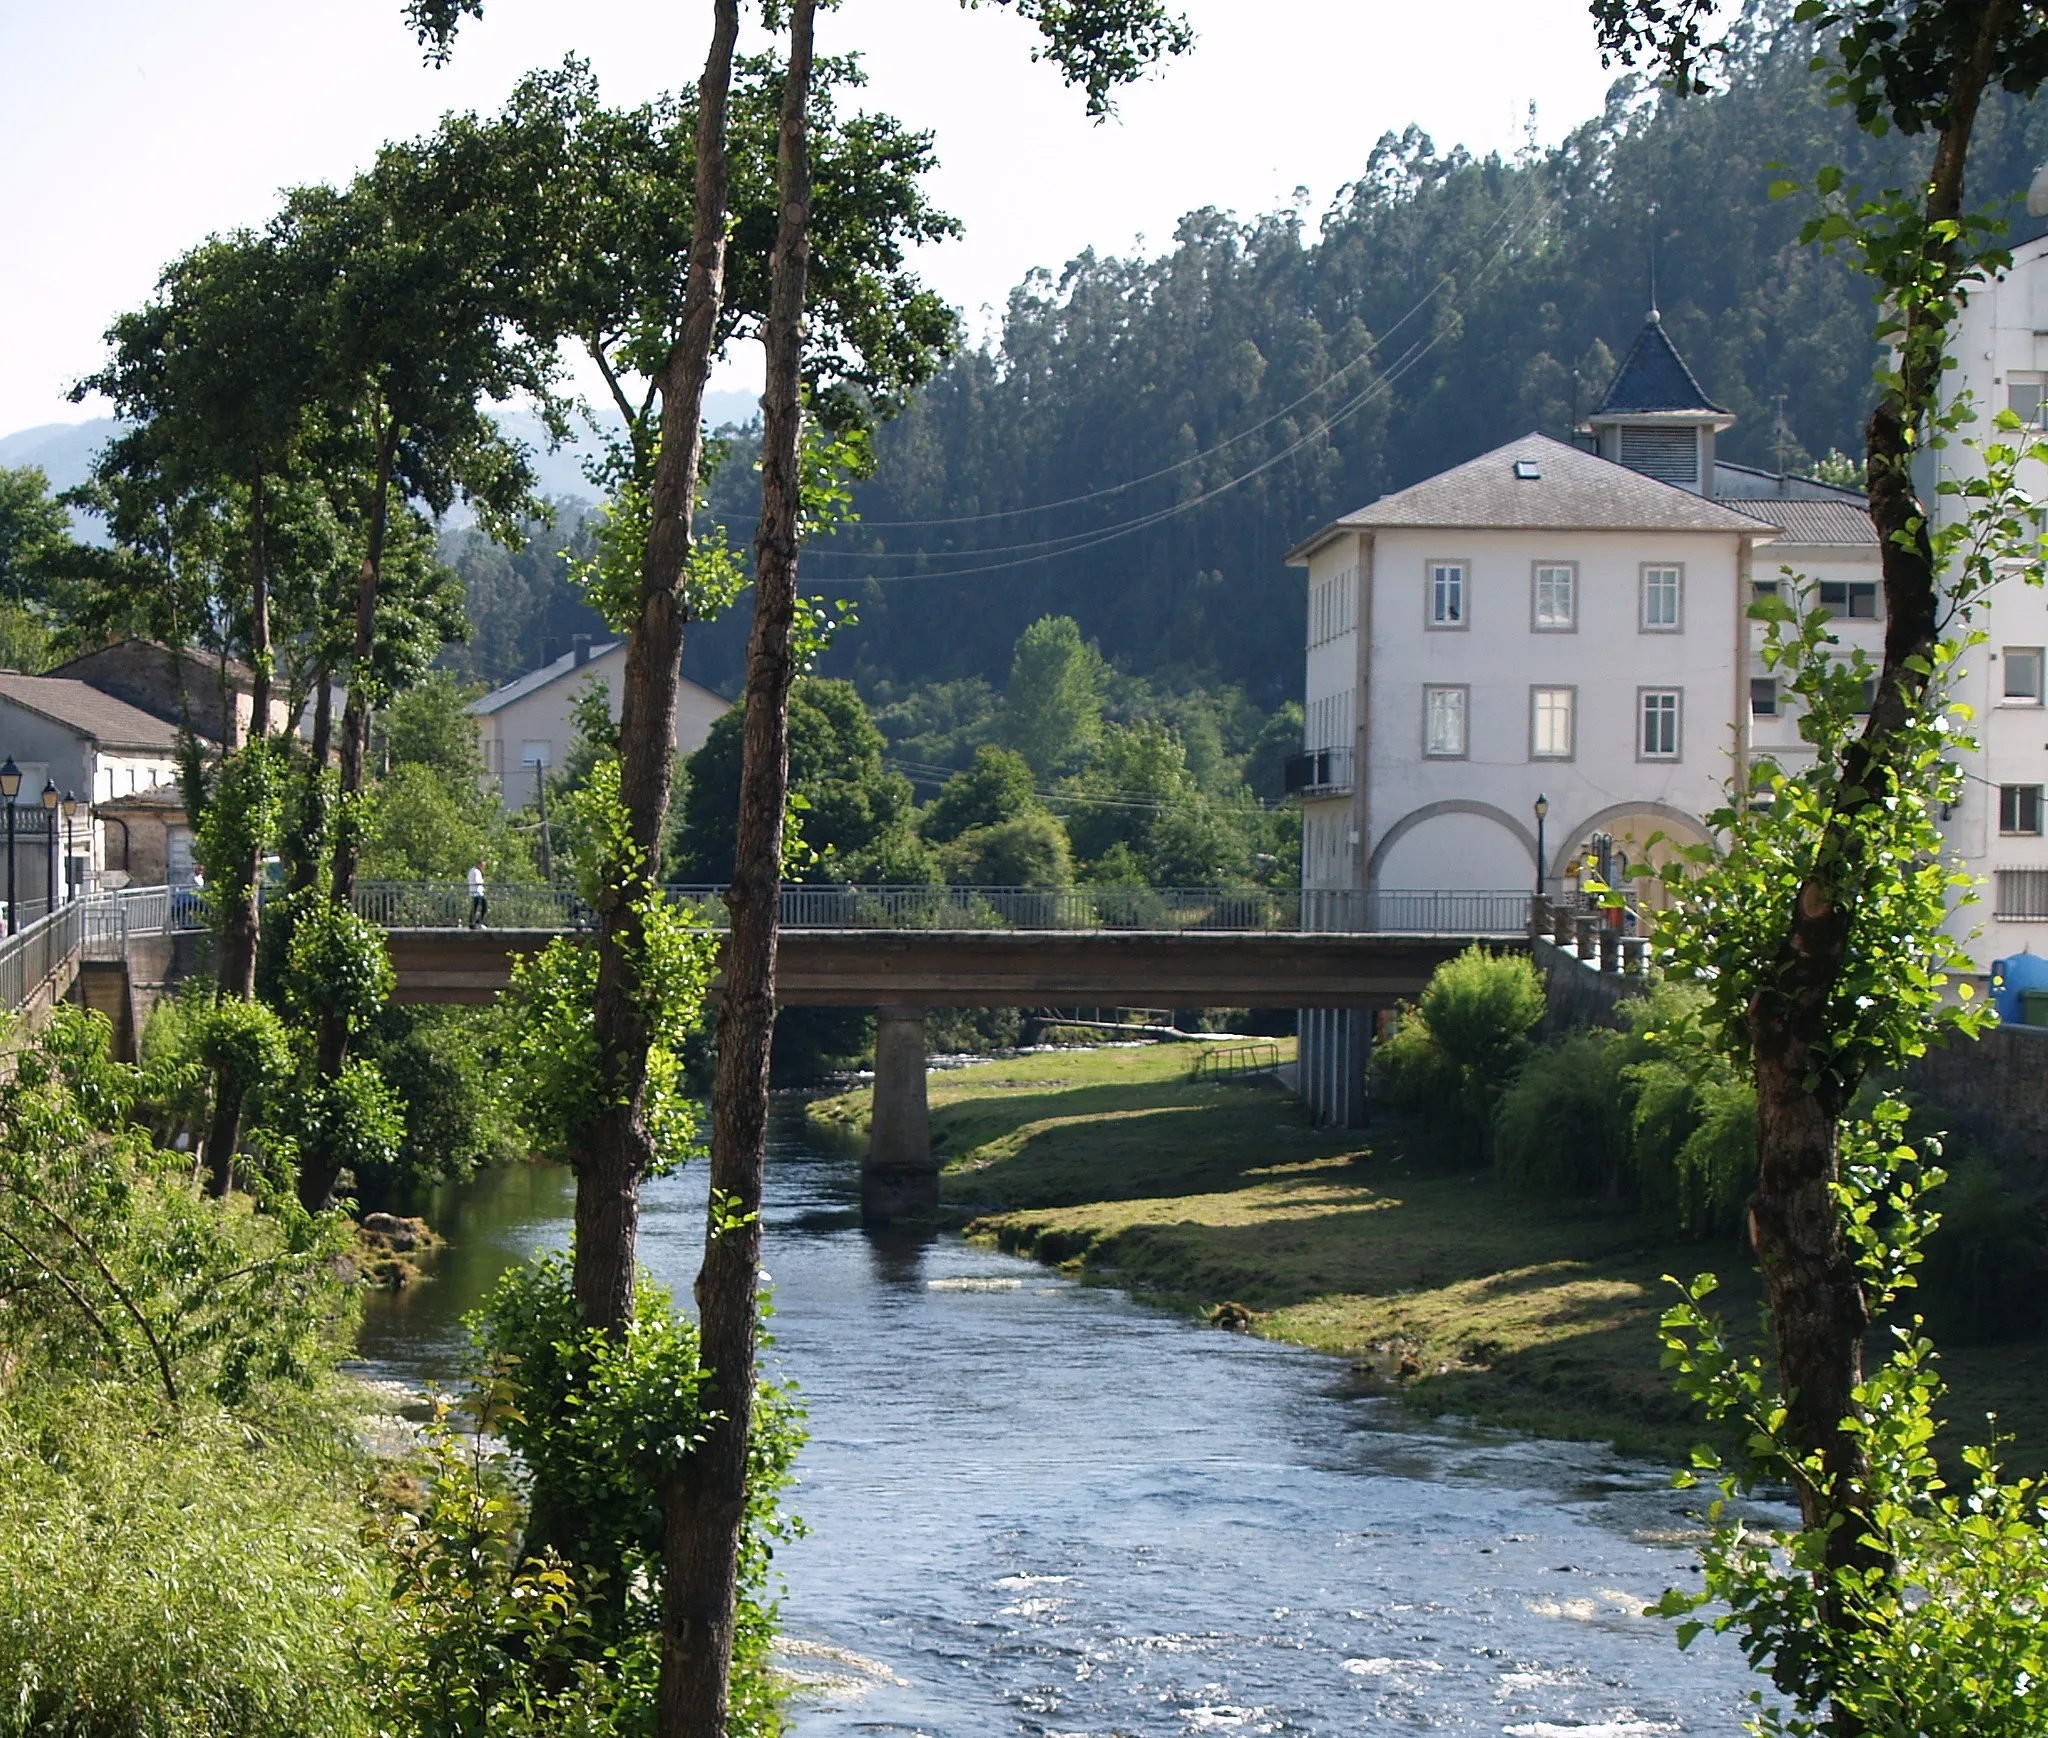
x=1000 y=968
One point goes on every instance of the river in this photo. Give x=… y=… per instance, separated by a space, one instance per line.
x=1037 y=1508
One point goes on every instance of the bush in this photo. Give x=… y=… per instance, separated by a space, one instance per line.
x=1457 y=1049
x=1030 y=851
x=167 y=1575
x=1563 y=1124
x=1984 y=1274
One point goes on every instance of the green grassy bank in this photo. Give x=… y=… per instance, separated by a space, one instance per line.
x=1452 y=1291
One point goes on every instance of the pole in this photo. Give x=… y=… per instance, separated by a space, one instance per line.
x=13 y=915
x=540 y=791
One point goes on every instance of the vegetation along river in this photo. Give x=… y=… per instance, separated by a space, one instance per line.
x=1038 y=1508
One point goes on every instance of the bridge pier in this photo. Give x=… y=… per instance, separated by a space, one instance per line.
x=899 y=1178
x=1333 y=1047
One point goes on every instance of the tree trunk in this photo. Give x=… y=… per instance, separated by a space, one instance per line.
x=1818 y=1308
x=235 y=976
x=318 y=1170
x=618 y=1152
x=705 y=1506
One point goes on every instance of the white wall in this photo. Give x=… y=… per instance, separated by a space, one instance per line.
x=1499 y=656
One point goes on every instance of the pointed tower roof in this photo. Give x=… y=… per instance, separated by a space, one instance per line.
x=1653 y=380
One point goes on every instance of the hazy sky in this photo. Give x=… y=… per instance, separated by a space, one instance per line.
x=132 y=128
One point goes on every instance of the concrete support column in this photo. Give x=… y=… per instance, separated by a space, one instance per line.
x=899 y=1178
x=1332 y=1050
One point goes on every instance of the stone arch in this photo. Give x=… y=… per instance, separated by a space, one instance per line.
x=1688 y=827
x=1449 y=806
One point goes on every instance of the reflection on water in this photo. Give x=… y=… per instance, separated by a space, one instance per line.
x=1037 y=1508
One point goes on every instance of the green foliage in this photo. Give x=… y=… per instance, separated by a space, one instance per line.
x=484 y=1638
x=999 y=786
x=1984 y=1275
x=1938 y=1632
x=1458 y=1048
x=175 y=1575
x=1052 y=706
x=417 y=826
x=338 y=966
x=429 y=724
x=601 y=1422
x=1651 y=1113
x=238 y=823
x=1029 y=851
x=446 y=1066
x=352 y=1120
x=853 y=805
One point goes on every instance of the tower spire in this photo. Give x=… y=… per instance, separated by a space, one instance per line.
x=1655 y=316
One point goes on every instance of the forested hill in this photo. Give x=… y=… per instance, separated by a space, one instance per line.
x=1116 y=386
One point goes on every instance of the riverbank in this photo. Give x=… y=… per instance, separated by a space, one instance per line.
x=1442 y=1286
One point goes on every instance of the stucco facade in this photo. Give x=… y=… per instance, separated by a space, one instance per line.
x=530 y=722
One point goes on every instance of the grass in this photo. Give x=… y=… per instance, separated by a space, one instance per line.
x=1443 y=1286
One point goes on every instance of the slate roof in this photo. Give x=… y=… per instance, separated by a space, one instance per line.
x=82 y=708
x=535 y=680
x=1833 y=522
x=1653 y=379
x=1574 y=490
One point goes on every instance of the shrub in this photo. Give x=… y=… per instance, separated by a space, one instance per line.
x=1456 y=1050
x=1029 y=851
x=1985 y=1270
x=1563 y=1124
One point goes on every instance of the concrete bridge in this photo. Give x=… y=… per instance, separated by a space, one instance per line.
x=1336 y=958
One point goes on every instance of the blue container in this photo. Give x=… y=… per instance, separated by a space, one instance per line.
x=2023 y=971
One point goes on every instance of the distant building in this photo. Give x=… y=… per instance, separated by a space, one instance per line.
x=65 y=733
x=1547 y=620
x=528 y=724
x=177 y=686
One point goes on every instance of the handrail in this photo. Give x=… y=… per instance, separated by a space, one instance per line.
x=831 y=905
x=96 y=924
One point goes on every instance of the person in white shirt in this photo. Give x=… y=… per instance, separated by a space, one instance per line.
x=479 y=906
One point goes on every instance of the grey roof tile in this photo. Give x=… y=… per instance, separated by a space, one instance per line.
x=91 y=713
x=1653 y=378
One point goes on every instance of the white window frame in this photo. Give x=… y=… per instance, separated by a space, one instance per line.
x=1777 y=697
x=1432 y=572
x=1676 y=710
x=2016 y=831
x=1677 y=623
x=1537 y=692
x=2027 y=379
x=1462 y=693
x=1568 y=623
x=2027 y=654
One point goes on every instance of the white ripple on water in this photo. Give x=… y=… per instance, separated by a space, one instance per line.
x=1592 y=1729
x=1386 y=1668
x=973 y=1282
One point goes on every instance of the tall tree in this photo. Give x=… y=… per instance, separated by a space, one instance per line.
x=1101 y=44
x=1818 y=967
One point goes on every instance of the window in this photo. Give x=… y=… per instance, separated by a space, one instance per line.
x=1759 y=589
x=1857 y=601
x=1866 y=697
x=2022 y=675
x=2019 y=810
x=1443 y=723
x=1550 y=723
x=1763 y=696
x=1447 y=594
x=1556 y=602
x=2020 y=893
x=1661 y=588
x=1658 y=737
x=2024 y=395
x=536 y=754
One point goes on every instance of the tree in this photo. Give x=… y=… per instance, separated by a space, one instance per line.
x=1824 y=918
x=998 y=787
x=852 y=803
x=35 y=536
x=1052 y=707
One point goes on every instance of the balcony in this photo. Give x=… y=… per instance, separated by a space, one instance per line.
x=1321 y=772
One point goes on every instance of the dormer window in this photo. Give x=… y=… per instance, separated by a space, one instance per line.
x=1528 y=470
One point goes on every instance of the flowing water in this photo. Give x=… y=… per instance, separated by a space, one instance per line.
x=1037 y=1508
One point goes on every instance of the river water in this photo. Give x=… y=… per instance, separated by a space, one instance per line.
x=1037 y=1508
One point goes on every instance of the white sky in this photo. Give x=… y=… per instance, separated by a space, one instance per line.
x=132 y=128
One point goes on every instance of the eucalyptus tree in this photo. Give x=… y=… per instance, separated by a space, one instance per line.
x=1820 y=933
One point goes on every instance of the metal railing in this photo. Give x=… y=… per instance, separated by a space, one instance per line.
x=401 y=905
x=98 y=925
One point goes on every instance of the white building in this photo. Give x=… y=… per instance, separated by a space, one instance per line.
x=530 y=722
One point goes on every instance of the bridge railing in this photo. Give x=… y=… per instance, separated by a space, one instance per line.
x=96 y=925
x=408 y=905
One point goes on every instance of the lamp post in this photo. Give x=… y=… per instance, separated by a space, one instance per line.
x=70 y=815
x=10 y=788
x=50 y=844
x=1542 y=809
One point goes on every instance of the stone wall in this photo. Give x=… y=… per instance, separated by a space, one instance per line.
x=1995 y=1091
x=1576 y=995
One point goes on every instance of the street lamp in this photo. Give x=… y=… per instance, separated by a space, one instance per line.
x=1542 y=809
x=50 y=844
x=70 y=815
x=10 y=788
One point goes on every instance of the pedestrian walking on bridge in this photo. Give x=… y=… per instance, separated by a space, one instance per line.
x=479 y=906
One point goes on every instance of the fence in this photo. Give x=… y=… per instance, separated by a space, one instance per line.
x=98 y=925
x=396 y=905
